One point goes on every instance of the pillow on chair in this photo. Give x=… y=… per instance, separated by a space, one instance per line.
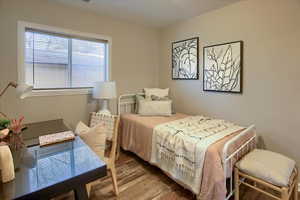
x=81 y=128
x=94 y=137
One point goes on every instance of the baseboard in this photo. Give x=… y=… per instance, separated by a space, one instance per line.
x=298 y=187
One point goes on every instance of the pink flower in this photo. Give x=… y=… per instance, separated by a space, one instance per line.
x=15 y=139
x=16 y=125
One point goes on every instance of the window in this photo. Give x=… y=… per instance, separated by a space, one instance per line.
x=62 y=60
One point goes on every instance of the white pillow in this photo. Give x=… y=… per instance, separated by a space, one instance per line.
x=157 y=92
x=94 y=137
x=138 y=98
x=81 y=128
x=155 y=108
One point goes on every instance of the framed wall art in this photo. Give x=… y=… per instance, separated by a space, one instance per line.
x=185 y=61
x=222 y=67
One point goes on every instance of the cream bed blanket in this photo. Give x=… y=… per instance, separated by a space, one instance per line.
x=179 y=147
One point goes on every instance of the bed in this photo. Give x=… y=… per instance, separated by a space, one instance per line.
x=136 y=135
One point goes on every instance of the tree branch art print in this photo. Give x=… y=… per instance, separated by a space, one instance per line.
x=185 y=62
x=222 y=67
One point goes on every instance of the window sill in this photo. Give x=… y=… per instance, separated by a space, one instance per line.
x=60 y=92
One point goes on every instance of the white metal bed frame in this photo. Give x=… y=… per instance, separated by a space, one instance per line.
x=127 y=104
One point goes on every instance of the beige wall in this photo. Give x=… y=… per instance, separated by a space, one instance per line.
x=134 y=56
x=270 y=30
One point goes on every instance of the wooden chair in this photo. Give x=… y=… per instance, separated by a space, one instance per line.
x=111 y=124
x=256 y=180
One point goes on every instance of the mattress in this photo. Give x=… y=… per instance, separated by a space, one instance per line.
x=136 y=132
x=136 y=136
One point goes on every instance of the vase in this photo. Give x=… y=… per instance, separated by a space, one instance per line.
x=17 y=157
x=17 y=149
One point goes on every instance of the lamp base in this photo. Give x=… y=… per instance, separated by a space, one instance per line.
x=104 y=109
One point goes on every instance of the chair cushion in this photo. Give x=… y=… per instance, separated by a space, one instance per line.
x=268 y=166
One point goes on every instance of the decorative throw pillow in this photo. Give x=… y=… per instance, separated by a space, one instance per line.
x=157 y=92
x=81 y=127
x=94 y=137
x=155 y=108
x=156 y=98
x=138 y=98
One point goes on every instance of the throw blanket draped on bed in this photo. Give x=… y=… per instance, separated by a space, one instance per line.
x=179 y=147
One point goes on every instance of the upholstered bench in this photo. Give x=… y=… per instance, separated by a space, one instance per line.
x=270 y=170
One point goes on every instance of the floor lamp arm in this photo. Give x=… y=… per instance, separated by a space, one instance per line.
x=8 y=85
x=12 y=84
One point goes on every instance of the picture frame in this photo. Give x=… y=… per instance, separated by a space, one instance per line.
x=223 y=67
x=185 y=59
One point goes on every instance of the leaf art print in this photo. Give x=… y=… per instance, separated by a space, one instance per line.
x=222 y=67
x=185 y=59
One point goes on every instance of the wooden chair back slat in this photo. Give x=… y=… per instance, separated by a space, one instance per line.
x=111 y=123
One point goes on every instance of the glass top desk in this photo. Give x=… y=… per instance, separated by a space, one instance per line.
x=49 y=171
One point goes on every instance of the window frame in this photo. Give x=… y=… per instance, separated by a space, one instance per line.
x=23 y=26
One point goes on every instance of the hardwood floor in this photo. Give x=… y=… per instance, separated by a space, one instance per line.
x=138 y=180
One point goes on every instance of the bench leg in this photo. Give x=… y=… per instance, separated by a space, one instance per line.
x=236 y=184
x=284 y=193
x=296 y=188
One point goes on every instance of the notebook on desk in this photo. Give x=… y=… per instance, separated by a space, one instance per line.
x=45 y=140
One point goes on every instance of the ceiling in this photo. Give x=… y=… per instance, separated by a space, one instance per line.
x=157 y=13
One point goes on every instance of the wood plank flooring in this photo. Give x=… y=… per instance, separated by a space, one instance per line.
x=138 y=180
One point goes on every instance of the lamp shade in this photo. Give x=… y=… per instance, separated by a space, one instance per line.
x=24 y=90
x=105 y=90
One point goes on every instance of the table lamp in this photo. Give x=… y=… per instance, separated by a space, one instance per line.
x=105 y=91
